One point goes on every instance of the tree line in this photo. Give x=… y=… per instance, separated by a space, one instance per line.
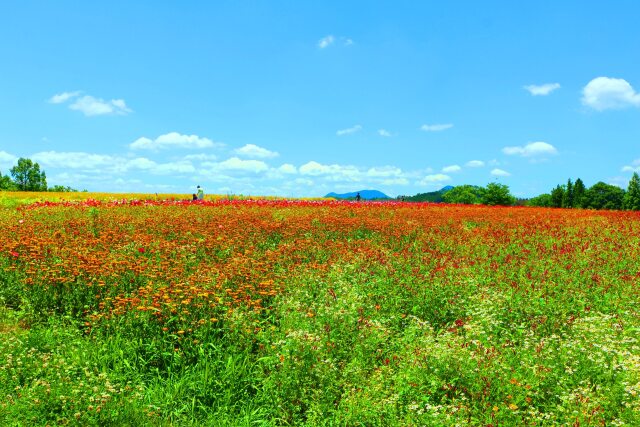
x=571 y=195
x=26 y=175
x=598 y=196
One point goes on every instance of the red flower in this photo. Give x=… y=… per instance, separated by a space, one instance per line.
x=141 y=250
x=14 y=254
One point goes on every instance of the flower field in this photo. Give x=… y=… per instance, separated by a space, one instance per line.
x=275 y=312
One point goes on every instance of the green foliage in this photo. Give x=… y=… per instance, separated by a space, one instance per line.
x=543 y=201
x=5 y=182
x=432 y=197
x=567 y=197
x=497 y=194
x=604 y=196
x=464 y=194
x=557 y=196
x=632 y=196
x=28 y=176
x=62 y=189
x=579 y=191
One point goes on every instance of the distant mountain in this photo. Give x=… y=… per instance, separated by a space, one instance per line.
x=364 y=194
x=433 y=196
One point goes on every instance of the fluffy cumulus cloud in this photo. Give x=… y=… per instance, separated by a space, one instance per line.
x=542 y=90
x=451 y=169
x=325 y=42
x=236 y=164
x=533 y=149
x=436 y=127
x=73 y=160
x=91 y=106
x=172 y=140
x=500 y=172
x=288 y=169
x=349 y=131
x=201 y=157
x=101 y=164
x=384 y=132
x=7 y=160
x=332 y=172
x=604 y=93
x=384 y=172
x=633 y=167
x=253 y=151
x=434 y=179
x=63 y=97
x=171 y=168
x=474 y=164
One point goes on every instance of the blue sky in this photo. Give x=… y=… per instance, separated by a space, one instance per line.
x=298 y=98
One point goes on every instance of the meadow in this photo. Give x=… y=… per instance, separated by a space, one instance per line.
x=276 y=312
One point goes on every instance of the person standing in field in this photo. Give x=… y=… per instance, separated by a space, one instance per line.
x=358 y=197
x=200 y=193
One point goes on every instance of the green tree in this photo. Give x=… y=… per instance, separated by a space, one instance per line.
x=497 y=194
x=632 y=197
x=464 y=194
x=578 y=193
x=557 y=195
x=567 y=198
x=61 y=189
x=604 y=196
x=543 y=201
x=5 y=182
x=28 y=176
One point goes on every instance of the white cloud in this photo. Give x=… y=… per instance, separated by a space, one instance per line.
x=172 y=140
x=287 y=169
x=475 y=164
x=182 y=167
x=451 y=169
x=500 y=172
x=434 y=178
x=531 y=150
x=7 y=160
x=326 y=41
x=542 y=90
x=347 y=41
x=253 y=151
x=304 y=181
x=236 y=164
x=333 y=172
x=63 y=97
x=140 y=163
x=395 y=181
x=603 y=93
x=73 y=160
x=436 y=127
x=349 y=131
x=630 y=169
x=384 y=132
x=100 y=164
x=200 y=157
x=384 y=172
x=635 y=166
x=91 y=106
